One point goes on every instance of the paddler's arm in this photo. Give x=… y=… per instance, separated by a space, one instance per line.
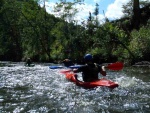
x=75 y=70
x=80 y=69
x=76 y=76
x=103 y=71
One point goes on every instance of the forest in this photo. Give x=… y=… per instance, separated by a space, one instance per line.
x=27 y=30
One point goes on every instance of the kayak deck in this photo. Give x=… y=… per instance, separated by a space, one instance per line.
x=102 y=82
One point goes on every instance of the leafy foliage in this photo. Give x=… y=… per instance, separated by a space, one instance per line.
x=27 y=30
x=140 y=42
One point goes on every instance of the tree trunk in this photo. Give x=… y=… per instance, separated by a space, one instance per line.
x=136 y=14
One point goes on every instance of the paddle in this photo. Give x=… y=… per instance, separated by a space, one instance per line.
x=113 y=66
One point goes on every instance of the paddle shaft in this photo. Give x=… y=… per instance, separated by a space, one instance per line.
x=114 y=66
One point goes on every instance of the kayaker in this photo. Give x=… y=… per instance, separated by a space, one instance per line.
x=67 y=62
x=28 y=62
x=90 y=70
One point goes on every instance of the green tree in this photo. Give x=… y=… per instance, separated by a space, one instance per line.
x=37 y=26
x=140 y=42
x=10 y=34
x=96 y=12
x=136 y=14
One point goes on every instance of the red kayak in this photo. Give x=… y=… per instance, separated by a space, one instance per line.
x=102 y=82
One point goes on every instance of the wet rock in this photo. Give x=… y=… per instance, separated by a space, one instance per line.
x=142 y=63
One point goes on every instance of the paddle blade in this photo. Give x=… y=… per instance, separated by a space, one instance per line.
x=115 y=66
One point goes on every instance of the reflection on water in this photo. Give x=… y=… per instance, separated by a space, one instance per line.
x=39 y=89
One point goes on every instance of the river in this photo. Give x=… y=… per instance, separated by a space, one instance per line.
x=40 y=89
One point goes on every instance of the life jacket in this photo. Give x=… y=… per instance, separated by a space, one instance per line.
x=91 y=73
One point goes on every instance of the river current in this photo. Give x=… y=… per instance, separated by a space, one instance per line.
x=40 y=89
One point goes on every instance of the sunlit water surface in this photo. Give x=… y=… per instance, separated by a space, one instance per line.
x=39 y=89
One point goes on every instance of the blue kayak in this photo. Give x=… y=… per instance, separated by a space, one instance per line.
x=59 y=67
x=56 y=67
